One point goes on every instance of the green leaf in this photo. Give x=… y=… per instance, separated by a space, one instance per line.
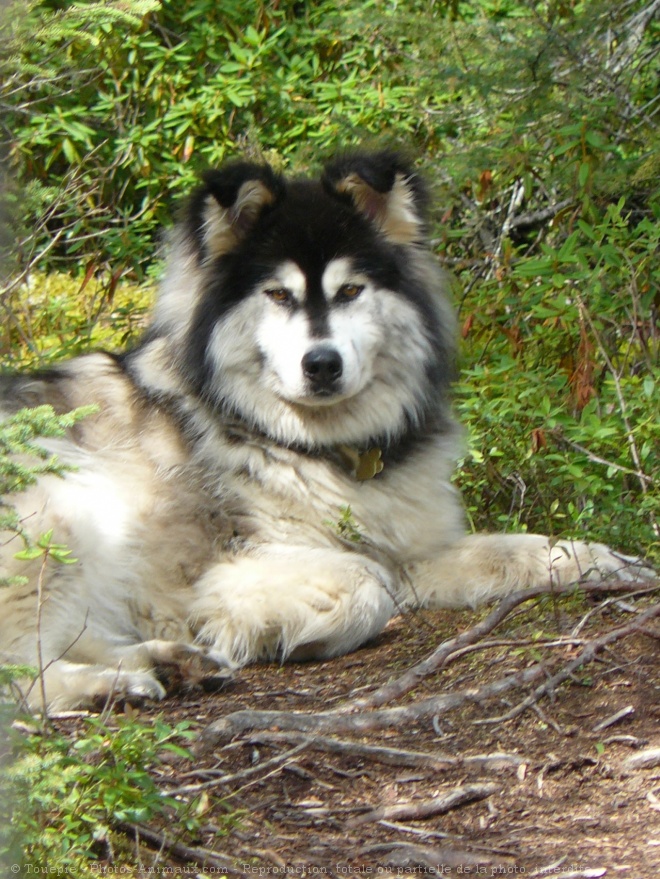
x=29 y=553
x=584 y=174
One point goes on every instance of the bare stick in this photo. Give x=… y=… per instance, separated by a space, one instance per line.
x=605 y=604
x=198 y=856
x=533 y=218
x=42 y=669
x=459 y=796
x=587 y=655
x=613 y=718
x=278 y=760
x=616 y=378
x=238 y=722
x=441 y=655
x=40 y=659
x=389 y=756
x=559 y=436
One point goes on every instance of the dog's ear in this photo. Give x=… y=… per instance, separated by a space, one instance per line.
x=385 y=189
x=228 y=204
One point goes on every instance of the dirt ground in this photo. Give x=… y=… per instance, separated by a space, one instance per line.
x=547 y=792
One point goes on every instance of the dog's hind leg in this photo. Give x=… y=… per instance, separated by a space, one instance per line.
x=482 y=566
x=66 y=685
x=131 y=671
x=292 y=603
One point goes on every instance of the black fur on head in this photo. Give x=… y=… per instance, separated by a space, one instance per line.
x=381 y=186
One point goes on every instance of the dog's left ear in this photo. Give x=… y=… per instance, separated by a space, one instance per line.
x=385 y=189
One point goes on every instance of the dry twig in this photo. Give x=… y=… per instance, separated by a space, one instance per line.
x=201 y=858
x=423 y=710
x=425 y=858
x=448 y=650
x=415 y=809
x=390 y=756
x=587 y=655
x=279 y=760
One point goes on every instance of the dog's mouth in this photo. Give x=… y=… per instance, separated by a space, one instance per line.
x=320 y=398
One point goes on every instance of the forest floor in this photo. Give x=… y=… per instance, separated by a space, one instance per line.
x=488 y=786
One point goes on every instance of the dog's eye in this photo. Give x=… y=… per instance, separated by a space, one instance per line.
x=279 y=294
x=350 y=291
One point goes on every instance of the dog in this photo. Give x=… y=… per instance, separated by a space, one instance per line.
x=267 y=474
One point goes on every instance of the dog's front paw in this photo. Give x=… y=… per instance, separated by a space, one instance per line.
x=68 y=686
x=134 y=687
x=304 y=604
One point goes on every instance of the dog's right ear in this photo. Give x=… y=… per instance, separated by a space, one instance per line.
x=228 y=204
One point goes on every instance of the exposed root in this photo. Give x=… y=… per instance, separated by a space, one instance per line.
x=352 y=718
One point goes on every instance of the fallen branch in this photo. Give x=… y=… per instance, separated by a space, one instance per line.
x=586 y=656
x=279 y=760
x=390 y=756
x=648 y=758
x=449 y=649
x=415 y=809
x=361 y=723
x=614 y=718
x=427 y=859
x=238 y=722
x=591 y=456
x=535 y=218
x=201 y=858
x=575 y=631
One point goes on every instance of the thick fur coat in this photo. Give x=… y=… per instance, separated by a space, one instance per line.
x=298 y=364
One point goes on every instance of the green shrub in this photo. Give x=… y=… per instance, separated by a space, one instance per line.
x=52 y=316
x=22 y=461
x=115 y=107
x=563 y=401
x=65 y=796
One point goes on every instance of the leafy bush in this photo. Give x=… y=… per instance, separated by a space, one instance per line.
x=53 y=316
x=119 y=105
x=112 y=108
x=64 y=796
x=22 y=461
x=573 y=450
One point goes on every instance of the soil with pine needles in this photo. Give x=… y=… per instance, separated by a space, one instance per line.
x=486 y=789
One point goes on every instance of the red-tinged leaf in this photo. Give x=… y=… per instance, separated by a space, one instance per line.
x=89 y=274
x=485 y=184
x=112 y=286
x=539 y=440
x=467 y=326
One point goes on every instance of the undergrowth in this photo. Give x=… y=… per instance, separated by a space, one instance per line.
x=560 y=386
x=65 y=796
x=23 y=460
x=53 y=316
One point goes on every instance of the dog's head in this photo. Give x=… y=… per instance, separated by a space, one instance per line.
x=310 y=309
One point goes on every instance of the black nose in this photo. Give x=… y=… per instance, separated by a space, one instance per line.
x=323 y=367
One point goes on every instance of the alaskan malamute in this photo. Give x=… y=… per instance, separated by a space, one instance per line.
x=298 y=366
